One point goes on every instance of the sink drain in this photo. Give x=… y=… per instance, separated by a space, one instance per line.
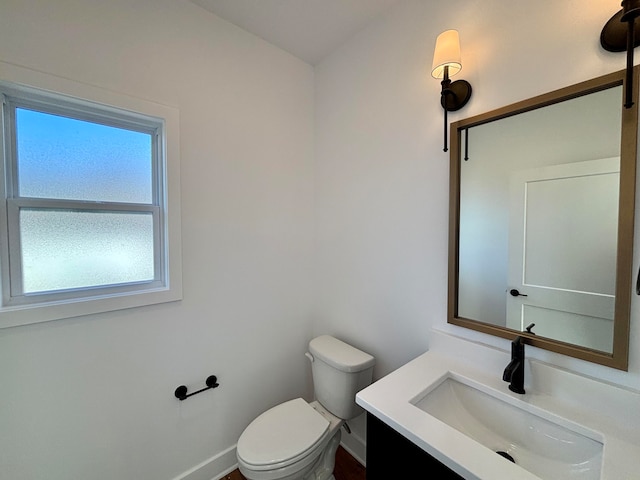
x=506 y=455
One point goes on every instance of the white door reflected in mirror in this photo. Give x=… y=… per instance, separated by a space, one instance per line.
x=562 y=251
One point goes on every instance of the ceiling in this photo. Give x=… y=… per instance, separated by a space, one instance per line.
x=308 y=29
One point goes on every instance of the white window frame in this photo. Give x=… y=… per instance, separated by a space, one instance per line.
x=98 y=106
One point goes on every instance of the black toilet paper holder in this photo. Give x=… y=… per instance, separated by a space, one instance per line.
x=181 y=391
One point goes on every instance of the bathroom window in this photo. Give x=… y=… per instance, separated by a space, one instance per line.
x=84 y=215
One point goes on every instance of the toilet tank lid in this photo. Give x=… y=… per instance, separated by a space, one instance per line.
x=340 y=355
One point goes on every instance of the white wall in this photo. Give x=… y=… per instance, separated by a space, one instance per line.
x=381 y=175
x=92 y=397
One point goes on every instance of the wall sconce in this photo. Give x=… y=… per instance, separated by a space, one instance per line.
x=446 y=63
x=620 y=34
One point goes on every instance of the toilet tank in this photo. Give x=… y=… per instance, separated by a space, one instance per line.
x=339 y=372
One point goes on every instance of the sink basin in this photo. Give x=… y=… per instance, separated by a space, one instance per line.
x=547 y=446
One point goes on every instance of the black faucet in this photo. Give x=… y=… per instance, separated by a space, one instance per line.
x=514 y=373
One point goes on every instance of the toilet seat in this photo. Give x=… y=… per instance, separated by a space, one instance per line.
x=282 y=436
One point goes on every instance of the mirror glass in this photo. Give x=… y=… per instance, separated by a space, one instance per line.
x=536 y=223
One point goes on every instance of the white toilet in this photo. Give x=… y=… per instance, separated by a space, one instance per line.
x=297 y=440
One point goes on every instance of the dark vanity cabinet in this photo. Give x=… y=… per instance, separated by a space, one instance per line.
x=390 y=455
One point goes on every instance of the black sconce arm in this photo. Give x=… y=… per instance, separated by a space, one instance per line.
x=453 y=96
x=621 y=34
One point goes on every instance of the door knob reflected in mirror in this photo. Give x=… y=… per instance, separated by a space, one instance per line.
x=515 y=293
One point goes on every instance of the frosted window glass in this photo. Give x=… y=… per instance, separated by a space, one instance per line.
x=66 y=249
x=64 y=158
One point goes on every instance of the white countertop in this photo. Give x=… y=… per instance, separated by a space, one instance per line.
x=611 y=412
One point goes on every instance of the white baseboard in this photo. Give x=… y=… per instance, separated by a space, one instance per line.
x=356 y=446
x=218 y=466
x=213 y=468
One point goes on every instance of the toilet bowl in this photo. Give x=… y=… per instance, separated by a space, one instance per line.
x=290 y=441
x=297 y=440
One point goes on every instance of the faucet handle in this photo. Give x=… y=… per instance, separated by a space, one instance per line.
x=517 y=347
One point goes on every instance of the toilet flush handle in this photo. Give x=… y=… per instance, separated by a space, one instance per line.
x=309 y=356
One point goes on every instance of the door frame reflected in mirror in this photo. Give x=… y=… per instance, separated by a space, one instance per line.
x=618 y=358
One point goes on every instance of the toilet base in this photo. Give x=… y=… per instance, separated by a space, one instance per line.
x=327 y=461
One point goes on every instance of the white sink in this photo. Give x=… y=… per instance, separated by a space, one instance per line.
x=549 y=447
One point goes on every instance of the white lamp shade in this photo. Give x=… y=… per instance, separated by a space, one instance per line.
x=446 y=54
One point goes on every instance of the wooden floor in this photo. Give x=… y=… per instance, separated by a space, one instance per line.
x=347 y=468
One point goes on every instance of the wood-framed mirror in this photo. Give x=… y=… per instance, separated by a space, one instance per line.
x=541 y=220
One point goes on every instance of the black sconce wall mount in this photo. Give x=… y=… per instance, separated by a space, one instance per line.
x=622 y=33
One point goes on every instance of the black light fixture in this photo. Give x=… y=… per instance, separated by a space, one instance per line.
x=622 y=33
x=446 y=63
